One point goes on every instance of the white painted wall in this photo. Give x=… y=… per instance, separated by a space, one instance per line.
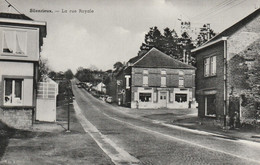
x=18 y=69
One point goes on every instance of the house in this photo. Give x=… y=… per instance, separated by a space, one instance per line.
x=100 y=87
x=226 y=72
x=21 y=41
x=156 y=80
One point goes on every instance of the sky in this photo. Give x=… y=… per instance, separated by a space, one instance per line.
x=113 y=30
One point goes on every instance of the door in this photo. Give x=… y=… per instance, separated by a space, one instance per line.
x=163 y=99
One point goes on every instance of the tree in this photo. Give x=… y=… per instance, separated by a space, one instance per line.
x=118 y=65
x=43 y=67
x=68 y=74
x=185 y=46
x=52 y=75
x=152 y=39
x=169 y=43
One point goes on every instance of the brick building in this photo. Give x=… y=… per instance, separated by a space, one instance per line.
x=155 y=80
x=225 y=67
x=21 y=41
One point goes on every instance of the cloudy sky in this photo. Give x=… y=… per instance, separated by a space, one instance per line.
x=114 y=29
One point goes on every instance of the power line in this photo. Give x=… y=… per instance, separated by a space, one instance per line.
x=10 y=5
x=230 y=3
x=215 y=8
x=239 y=2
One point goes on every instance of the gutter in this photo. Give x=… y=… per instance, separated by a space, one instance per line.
x=225 y=81
x=209 y=44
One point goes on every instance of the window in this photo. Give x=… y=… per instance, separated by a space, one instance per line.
x=127 y=81
x=181 y=73
x=163 y=72
x=163 y=81
x=181 y=82
x=210 y=66
x=180 y=98
x=210 y=105
x=213 y=65
x=145 y=72
x=145 y=77
x=206 y=67
x=145 y=97
x=13 y=91
x=14 y=42
x=145 y=80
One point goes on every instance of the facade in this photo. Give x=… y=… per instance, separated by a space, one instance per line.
x=226 y=72
x=156 y=80
x=100 y=87
x=21 y=40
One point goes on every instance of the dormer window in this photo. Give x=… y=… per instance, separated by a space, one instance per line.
x=14 y=42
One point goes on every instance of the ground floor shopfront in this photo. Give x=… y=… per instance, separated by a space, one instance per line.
x=153 y=97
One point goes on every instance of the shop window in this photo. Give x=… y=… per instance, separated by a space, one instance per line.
x=180 y=98
x=14 y=42
x=145 y=97
x=13 y=91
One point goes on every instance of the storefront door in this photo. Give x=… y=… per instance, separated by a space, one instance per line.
x=163 y=99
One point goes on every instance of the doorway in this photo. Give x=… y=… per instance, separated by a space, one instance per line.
x=163 y=99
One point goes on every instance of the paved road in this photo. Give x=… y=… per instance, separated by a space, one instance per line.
x=141 y=141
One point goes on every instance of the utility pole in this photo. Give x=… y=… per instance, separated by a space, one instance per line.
x=69 y=98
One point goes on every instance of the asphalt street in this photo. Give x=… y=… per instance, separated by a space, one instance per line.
x=143 y=141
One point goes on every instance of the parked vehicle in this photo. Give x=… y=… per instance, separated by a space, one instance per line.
x=109 y=99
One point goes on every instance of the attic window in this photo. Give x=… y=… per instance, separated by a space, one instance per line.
x=14 y=42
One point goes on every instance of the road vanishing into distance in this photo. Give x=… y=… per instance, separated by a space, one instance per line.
x=128 y=139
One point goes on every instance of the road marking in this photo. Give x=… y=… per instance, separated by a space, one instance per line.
x=182 y=140
x=117 y=154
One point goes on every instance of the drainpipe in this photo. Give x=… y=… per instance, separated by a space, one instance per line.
x=225 y=81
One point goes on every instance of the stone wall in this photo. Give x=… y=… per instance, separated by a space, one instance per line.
x=17 y=118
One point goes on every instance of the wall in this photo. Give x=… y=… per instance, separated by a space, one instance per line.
x=17 y=118
x=32 y=46
x=154 y=77
x=213 y=82
x=243 y=55
x=21 y=70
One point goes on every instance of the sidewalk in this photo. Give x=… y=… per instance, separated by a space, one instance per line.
x=49 y=143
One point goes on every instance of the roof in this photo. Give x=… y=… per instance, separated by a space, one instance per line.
x=14 y=16
x=157 y=59
x=23 y=20
x=231 y=30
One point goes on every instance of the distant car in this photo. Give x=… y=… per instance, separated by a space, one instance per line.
x=109 y=99
x=79 y=86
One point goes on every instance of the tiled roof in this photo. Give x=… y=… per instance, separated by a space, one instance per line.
x=15 y=16
x=157 y=59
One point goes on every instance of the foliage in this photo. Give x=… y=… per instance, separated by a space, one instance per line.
x=68 y=74
x=84 y=75
x=118 y=65
x=43 y=67
x=168 y=42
